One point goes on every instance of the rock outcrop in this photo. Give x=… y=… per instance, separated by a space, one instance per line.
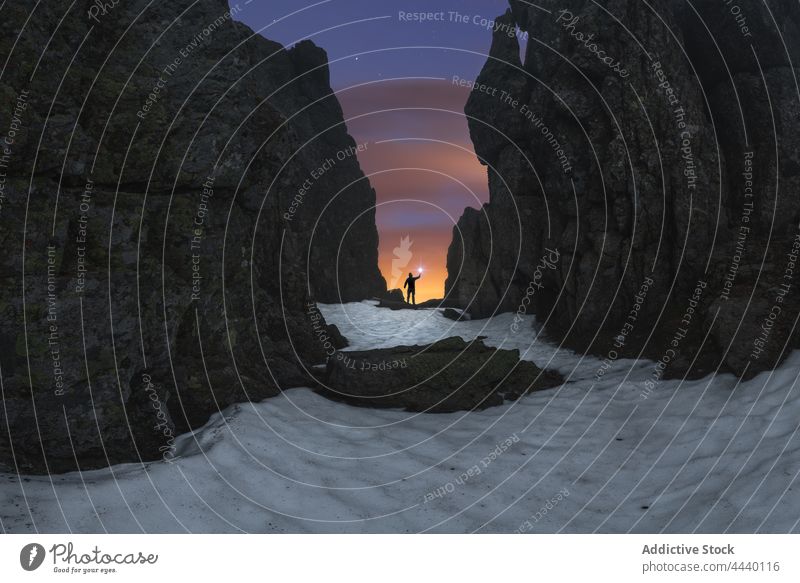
x=653 y=150
x=453 y=314
x=174 y=187
x=446 y=376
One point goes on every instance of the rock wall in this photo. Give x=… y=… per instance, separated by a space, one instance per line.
x=171 y=186
x=653 y=149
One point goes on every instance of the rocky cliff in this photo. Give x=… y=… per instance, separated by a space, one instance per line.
x=174 y=192
x=652 y=149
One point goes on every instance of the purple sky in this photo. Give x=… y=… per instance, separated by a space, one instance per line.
x=420 y=161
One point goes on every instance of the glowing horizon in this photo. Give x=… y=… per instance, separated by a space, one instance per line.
x=422 y=165
x=403 y=105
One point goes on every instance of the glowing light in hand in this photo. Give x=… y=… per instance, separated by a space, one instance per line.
x=419 y=269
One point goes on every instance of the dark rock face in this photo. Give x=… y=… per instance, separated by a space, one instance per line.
x=395 y=295
x=663 y=173
x=159 y=202
x=449 y=375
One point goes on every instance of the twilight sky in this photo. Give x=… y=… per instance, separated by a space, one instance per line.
x=394 y=78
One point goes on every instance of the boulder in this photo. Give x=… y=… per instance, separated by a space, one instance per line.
x=448 y=375
x=435 y=303
x=394 y=295
x=453 y=314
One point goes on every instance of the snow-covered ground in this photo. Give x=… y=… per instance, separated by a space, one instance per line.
x=708 y=456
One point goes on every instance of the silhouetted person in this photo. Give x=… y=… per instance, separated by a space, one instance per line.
x=410 y=284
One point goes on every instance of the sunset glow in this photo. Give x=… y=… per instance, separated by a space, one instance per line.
x=424 y=170
x=403 y=106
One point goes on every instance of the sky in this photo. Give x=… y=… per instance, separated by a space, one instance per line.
x=394 y=78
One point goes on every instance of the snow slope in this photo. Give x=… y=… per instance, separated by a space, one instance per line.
x=593 y=455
